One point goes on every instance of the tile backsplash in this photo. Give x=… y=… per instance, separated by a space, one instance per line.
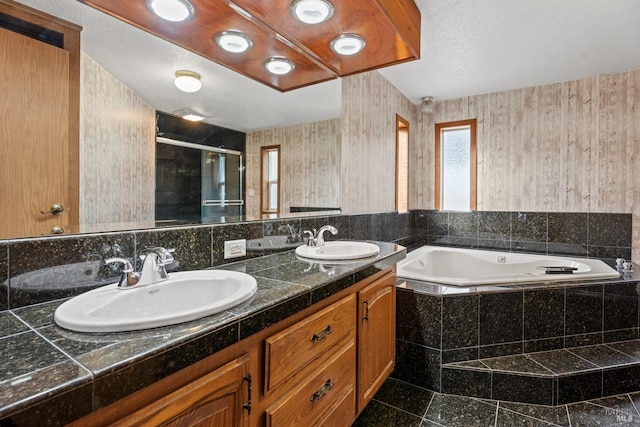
x=42 y=269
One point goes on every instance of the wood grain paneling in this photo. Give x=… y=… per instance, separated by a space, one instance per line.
x=310 y=163
x=369 y=107
x=117 y=152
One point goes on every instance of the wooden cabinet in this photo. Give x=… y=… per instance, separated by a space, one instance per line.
x=220 y=398
x=319 y=367
x=376 y=336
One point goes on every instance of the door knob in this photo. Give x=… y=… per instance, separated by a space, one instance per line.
x=57 y=230
x=56 y=209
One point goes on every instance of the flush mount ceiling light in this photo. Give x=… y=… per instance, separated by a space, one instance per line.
x=427 y=105
x=347 y=44
x=188 y=81
x=279 y=66
x=311 y=11
x=171 y=10
x=192 y=117
x=233 y=41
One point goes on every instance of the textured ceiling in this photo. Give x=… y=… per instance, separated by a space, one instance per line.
x=468 y=47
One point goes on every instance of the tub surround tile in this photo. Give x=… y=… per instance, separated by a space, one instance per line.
x=582 y=339
x=602 y=355
x=543 y=313
x=562 y=362
x=630 y=348
x=620 y=380
x=494 y=225
x=516 y=364
x=438 y=223
x=466 y=382
x=460 y=354
x=419 y=320
x=522 y=388
x=417 y=364
x=620 y=306
x=460 y=321
x=529 y=226
x=500 y=318
x=497 y=350
x=584 y=310
x=569 y=228
x=579 y=387
x=463 y=224
x=610 y=229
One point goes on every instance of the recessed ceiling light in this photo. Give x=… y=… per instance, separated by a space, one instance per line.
x=233 y=41
x=348 y=44
x=193 y=117
x=280 y=66
x=171 y=10
x=311 y=11
x=188 y=81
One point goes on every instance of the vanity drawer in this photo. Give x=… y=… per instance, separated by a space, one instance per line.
x=328 y=398
x=294 y=348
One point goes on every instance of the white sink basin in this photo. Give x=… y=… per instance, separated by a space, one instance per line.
x=184 y=296
x=338 y=250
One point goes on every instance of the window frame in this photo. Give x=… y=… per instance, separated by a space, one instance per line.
x=265 y=183
x=439 y=129
x=402 y=125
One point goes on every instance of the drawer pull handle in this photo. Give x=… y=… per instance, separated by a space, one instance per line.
x=366 y=311
x=322 y=391
x=321 y=334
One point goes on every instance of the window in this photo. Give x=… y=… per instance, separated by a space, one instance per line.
x=455 y=155
x=402 y=164
x=270 y=179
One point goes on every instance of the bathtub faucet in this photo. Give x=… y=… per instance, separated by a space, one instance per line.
x=317 y=238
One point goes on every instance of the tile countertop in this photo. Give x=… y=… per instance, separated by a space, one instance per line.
x=55 y=376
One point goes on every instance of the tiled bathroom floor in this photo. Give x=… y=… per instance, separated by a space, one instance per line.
x=399 y=404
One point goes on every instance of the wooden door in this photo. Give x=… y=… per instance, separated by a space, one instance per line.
x=376 y=336
x=34 y=135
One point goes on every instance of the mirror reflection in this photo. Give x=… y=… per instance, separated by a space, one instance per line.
x=128 y=179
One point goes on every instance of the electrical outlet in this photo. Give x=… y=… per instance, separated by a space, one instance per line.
x=235 y=248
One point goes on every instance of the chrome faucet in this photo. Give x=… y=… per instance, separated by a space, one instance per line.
x=152 y=270
x=317 y=238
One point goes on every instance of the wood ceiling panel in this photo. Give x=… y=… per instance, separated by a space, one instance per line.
x=389 y=27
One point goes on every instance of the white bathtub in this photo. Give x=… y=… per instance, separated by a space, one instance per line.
x=470 y=267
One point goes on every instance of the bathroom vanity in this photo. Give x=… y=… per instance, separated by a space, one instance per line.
x=310 y=348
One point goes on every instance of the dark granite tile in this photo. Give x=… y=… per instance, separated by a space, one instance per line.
x=583 y=310
x=26 y=352
x=568 y=227
x=620 y=380
x=498 y=350
x=516 y=364
x=466 y=382
x=222 y=233
x=4 y=275
x=272 y=315
x=494 y=225
x=630 y=348
x=458 y=242
x=620 y=306
x=111 y=385
x=562 y=362
x=395 y=226
x=470 y=364
x=457 y=411
x=543 y=313
x=38 y=315
x=610 y=229
x=253 y=265
x=568 y=249
x=60 y=267
x=318 y=294
x=438 y=223
x=378 y=414
x=529 y=226
x=311 y=274
x=535 y=346
x=460 y=321
x=405 y=396
x=192 y=246
x=582 y=340
x=418 y=318
x=367 y=226
x=620 y=335
x=608 y=254
x=529 y=247
x=449 y=356
x=556 y=415
x=463 y=224
x=10 y=325
x=510 y=419
x=58 y=410
x=579 y=387
x=590 y=415
x=523 y=388
x=340 y=222
x=417 y=365
x=499 y=245
x=500 y=318
x=420 y=223
x=602 y=355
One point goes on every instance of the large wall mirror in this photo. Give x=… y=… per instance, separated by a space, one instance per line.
x=127 y=77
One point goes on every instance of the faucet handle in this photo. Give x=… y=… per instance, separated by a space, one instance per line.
x=127 y=267
x=165 y=256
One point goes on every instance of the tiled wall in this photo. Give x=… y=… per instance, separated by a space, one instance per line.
x=50 y=268
x=437 y=329
x=594 y=235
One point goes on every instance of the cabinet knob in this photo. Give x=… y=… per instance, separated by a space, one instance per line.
x=56 y=209
x=57 y=230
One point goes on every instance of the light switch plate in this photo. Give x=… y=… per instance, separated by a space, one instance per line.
x=235 y=248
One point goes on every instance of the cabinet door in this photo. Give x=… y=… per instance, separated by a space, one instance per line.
x=376 y=336
x=216 y=400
